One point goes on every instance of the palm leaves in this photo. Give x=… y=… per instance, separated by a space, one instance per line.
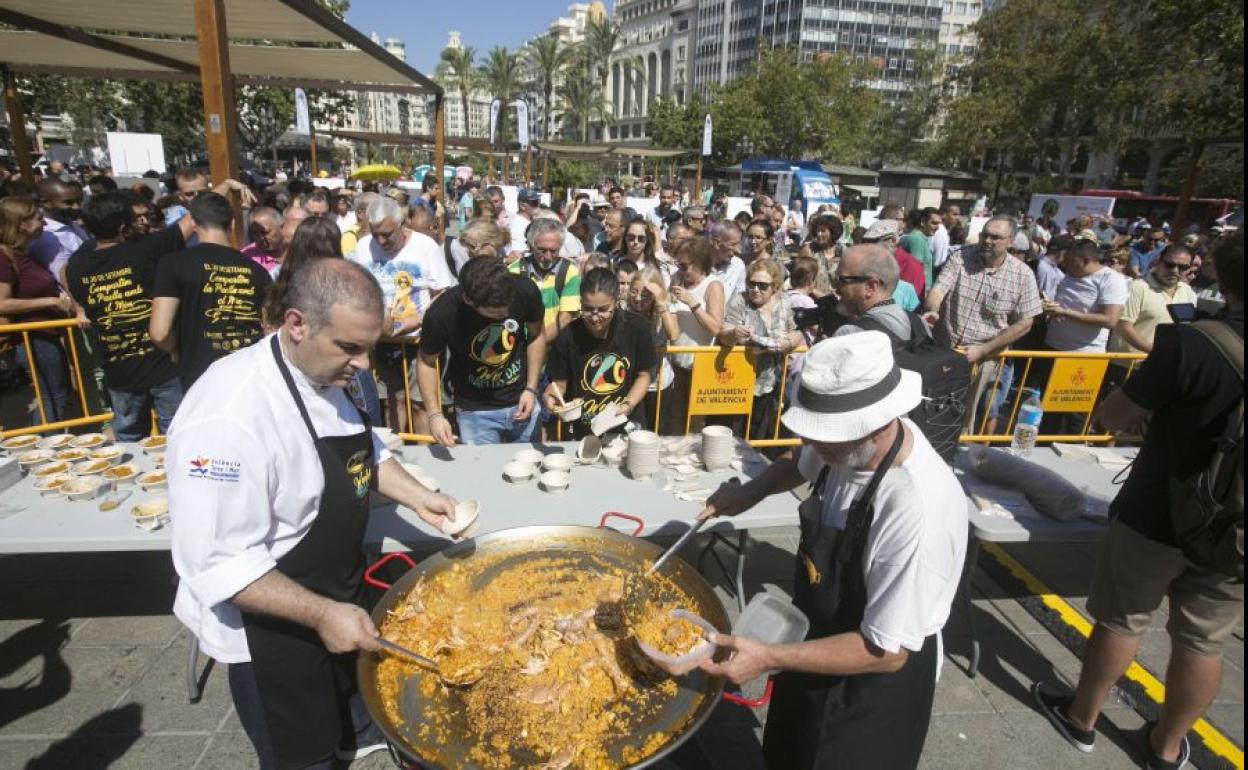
x=457 y=69
x=548 y=59
x=501 y=74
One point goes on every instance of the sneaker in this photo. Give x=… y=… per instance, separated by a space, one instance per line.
x=1155 y=762
x=1054 y=707
x=370 y=741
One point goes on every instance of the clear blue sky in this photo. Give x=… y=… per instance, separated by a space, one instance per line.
x=483 y=24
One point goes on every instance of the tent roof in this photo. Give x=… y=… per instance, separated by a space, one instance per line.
x=54 y=39
x=474 y=143
x=606 y=150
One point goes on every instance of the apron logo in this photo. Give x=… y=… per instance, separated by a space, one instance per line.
x=215 y=470
x=360 y=471
x=812 y=572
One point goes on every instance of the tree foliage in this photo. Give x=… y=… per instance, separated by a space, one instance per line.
x=548 y=59
x=501 y=75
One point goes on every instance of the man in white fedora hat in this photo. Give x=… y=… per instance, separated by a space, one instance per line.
x=883 y=538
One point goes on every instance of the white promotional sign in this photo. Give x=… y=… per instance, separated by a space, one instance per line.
x=706 y=135
x=303 y=122
x=1063 y=208
x=494 y=106
x=135 y=154
x=522 y=122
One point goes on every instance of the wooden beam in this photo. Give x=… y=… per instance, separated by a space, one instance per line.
x=546 y=172
x=220 y=119
x=439 y=155
x=17 y=125
x=697 y=184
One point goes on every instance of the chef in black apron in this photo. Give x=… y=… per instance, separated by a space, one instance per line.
x=841 y=700
x=252 y=435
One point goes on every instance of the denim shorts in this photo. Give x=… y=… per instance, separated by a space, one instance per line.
x=496 y=426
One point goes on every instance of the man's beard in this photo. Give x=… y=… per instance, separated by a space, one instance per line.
x=860 y=456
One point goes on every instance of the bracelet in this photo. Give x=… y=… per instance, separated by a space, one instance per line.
x=695 y=308
x=533 y=391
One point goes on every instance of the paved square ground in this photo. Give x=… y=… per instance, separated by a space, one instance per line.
x=91 y=675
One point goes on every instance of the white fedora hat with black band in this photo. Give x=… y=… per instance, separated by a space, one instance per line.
x=851 y=387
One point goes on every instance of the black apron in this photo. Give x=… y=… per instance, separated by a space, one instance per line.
x=846 y=722
x=304 y=689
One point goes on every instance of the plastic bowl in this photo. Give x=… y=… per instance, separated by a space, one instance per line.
x=50 y=486
x=531 y=457
x=89 y=440
x=153 y=444
x=558 y=462
x=59 y=441
x=33 y=457
x=555 y=481
x=679 y=665
x=153 y=480
x=570 y=411
x=589 y=450
x=83 y=487
x=110 y=454
x=516 y=472
x=464 y=522
x=151 y=514
x=92 y=467
x=19 y=443
x=121 y=474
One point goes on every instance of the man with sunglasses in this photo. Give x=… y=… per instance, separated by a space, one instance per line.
x=1148 y=306
x=1149 y=246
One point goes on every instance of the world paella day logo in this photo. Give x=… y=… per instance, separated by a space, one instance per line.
x=214 y=469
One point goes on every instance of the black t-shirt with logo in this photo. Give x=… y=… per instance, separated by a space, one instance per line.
x=114 y=287
x=220 y=293
x=488 y=369
x=601 y=371
x=1191 y=390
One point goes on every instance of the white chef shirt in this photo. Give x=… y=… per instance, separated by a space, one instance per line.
x=245 y=483
x=915 y=548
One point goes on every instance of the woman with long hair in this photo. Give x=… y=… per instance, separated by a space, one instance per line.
x=698 y=305
x=648 y=298
x=603 y=357
x=823 y=236
x=762 y=239
x=28 y=293
x=641 y=246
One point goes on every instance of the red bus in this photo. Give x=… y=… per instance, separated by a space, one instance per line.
x=1130 y=205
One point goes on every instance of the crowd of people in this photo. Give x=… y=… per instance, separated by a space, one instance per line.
x=772 y=279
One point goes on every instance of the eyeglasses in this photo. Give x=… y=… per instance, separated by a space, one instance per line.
x=759 y=285
x=637 y=296
x=635 y=238
x=1172 y=265
x=604 y=310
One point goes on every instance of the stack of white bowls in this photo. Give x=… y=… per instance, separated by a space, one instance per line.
x=643 y=453
x=718 y=447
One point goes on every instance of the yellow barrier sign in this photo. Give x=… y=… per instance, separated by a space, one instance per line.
x=1074 y=384
x=721 y=384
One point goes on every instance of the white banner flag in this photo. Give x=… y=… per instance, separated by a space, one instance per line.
x=522 y=122
x=494 y=105
x=303 y=123
x=706 y=135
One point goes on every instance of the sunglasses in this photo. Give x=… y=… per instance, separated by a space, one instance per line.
x=759 y=285
x=635 y=238
x=604 y=310
x=1180 y=266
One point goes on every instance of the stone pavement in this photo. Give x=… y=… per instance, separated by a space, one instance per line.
x=91 y=675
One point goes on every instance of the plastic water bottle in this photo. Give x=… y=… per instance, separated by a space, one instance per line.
x=1027 y=426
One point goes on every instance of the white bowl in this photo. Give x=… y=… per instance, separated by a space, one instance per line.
x=613 y=455
x=50 y=486
x=91 y=467
x=153 y=444
x=151 y=514
x=570 y=411
x=532 y=457
x=153 y=480
x=516 y=472
x=51 y=469
x=555 y=481
x=558 y=462
x=89 y=440
x=125 y=473
x=111 y=454
x=32 y=457
x=19 y=443
x=717 y=432
x=644 y=438
x=83 y=487
x=59 y=441
x=464 y=522
x=589 y=450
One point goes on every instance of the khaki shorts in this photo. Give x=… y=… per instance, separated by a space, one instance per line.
x=1134 y=573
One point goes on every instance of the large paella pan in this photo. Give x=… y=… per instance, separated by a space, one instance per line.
x=552 y=688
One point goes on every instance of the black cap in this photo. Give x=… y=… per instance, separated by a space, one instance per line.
x=1063 y=242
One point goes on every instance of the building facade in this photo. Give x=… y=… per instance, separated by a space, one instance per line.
x=653 y=60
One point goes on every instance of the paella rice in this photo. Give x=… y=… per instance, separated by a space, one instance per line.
x=551 y=689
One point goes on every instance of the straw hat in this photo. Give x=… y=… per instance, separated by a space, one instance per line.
x=850 y=388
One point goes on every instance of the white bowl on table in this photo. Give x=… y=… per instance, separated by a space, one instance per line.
x=557 y=462
x=555 y=481
x=517 y=472
x=531 y=457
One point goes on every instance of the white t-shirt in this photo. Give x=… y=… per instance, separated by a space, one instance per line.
x=517 y=227
x=940 y=246
x=408 y=277
x=244 y=485
x=1086 y=295
x=915 y=548
x=732 y=275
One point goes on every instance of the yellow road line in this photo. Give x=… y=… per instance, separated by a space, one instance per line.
x=1216 y=742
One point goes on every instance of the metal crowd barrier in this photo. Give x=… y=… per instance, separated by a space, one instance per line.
x=1004 y=434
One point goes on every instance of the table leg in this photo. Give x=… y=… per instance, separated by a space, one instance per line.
x=737 y=575
x=743 y=542
x=193 y=692
x=968 y=577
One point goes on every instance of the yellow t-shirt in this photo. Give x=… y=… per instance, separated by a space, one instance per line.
x=1146 y=309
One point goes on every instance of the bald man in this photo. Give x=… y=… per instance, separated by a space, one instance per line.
x=267 y=248
x=62 y=233
x=866 y=280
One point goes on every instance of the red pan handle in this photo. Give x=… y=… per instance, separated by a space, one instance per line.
x=747 y=702
x=374 y=582
x=617 y=515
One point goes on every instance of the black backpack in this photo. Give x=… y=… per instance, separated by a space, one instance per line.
x=946 y=378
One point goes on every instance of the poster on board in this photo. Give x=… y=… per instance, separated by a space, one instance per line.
x=135 y=154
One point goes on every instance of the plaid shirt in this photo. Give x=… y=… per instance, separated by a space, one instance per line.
x=981 y=302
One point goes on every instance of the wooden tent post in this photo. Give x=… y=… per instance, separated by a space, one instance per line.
x=697 y=184
x=217 y=81
x=546 y=171
x=17 y=125
x=439 y=155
